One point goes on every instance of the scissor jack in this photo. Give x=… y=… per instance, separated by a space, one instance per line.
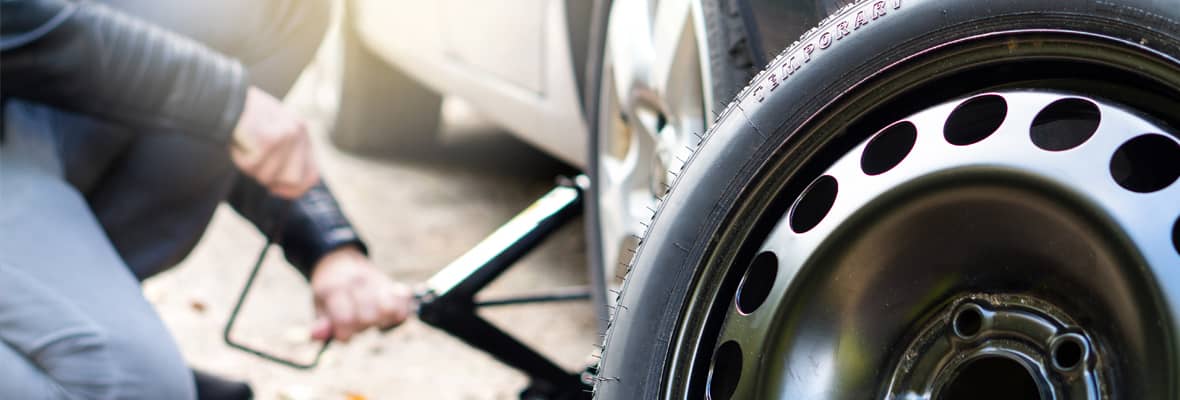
x=449 y=304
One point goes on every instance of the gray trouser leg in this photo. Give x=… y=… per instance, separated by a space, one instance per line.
x=21 y=379
x=49 y=348
x=68 y=304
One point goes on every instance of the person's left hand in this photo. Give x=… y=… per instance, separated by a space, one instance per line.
x=352 y=295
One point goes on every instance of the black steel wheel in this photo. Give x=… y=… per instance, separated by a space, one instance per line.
x=925 y=200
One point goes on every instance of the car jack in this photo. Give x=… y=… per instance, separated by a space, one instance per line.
x=449 y=302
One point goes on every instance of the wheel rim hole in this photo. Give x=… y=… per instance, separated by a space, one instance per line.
x=1065 y=124
x=888 y=148
x=968 y=322
x=991 y=377
x=726 y=370
x=1176 y=235
x=1146 y=163
x=975 y=119
x=813 y=206
x=757 y=282
x=1069 y=353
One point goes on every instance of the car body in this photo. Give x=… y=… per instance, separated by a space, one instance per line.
x=510 y=59
x=522 y=63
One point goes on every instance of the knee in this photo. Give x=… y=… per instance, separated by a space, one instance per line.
x=79 y=362
x=104 y=365
x=96 y=365
x=150 y=366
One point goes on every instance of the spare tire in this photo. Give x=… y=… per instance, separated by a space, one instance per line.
x=922 y=199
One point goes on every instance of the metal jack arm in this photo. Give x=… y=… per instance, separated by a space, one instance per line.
x=449 y=301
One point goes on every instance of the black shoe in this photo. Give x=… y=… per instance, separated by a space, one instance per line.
x=210 y=387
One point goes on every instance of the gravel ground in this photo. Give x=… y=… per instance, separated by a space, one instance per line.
x=417 y=215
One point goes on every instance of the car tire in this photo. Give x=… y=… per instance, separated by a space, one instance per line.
x=382 y=110
x=733 y=60
x=863 y=68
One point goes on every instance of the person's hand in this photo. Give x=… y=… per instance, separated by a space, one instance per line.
x=352 y=295
x=271 y=145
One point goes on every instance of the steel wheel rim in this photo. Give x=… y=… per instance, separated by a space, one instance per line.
x=695 y=349
x=651 y=113
x=943 y=183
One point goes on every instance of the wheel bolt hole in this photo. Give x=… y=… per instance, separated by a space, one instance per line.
x=975 y=119
x=757 y=282
x=1146 y=163
x=813 y=206
x=968 y=322
x=1069 y=353
x=888 y=148
x=726 y=370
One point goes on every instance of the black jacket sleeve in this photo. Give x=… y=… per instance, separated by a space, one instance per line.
x=87 y=58
x=306 y=228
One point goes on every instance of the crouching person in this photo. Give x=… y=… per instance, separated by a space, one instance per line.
x=124 y=125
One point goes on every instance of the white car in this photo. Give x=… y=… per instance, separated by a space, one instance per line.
x=912 y=199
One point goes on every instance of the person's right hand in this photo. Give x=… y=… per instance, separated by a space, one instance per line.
x=271 y=145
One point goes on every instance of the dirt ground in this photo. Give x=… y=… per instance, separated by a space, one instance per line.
x=416 y=215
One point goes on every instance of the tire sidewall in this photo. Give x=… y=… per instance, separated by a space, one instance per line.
x=761 y=122
x=729 y=68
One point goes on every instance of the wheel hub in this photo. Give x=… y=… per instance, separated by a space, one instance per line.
x=1012 y=240
x=999 y=346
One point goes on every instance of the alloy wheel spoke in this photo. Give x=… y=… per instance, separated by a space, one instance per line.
x=630 y=50
x=672 y=32
x=652 y=110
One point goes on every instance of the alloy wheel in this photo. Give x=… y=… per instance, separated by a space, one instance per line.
x=651 y=113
